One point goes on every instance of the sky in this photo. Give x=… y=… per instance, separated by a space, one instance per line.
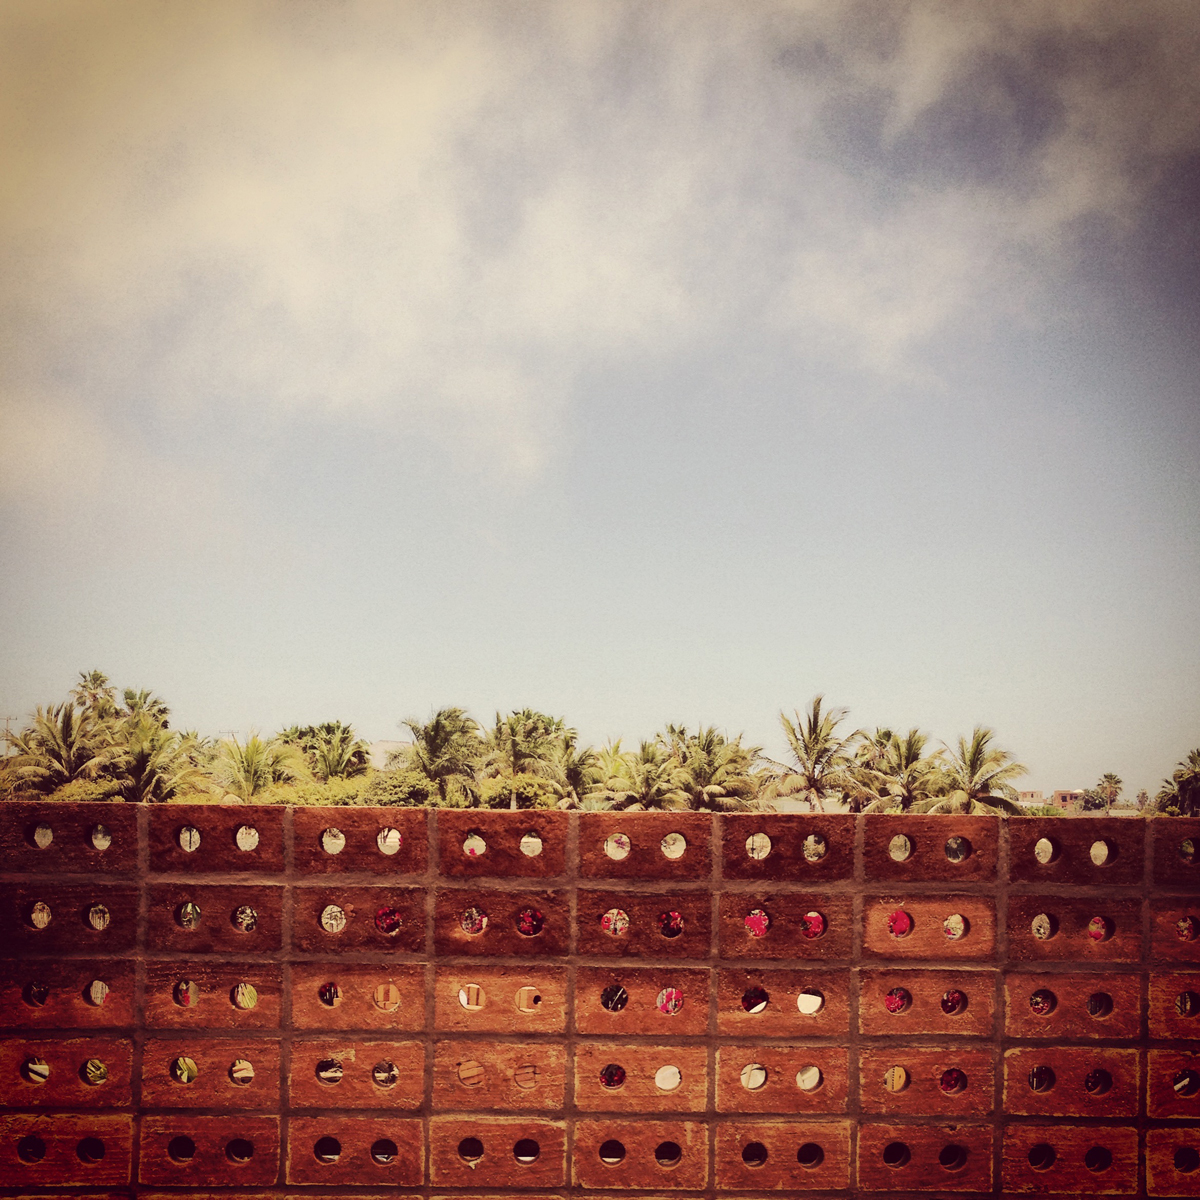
x=636 y=362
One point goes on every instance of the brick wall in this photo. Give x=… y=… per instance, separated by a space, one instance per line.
x=346 y=1001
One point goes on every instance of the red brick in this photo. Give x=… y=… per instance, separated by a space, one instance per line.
x=499 y=1166
x=788 y=934
x=358 y=1006
x=642 y=1015
x=210 y=1166
x=1162 y=1069
x=66 y=1086
x=213 y=1086
x=214 y=1007
x=639 y=1091
x=1071 y=942
x=1070 y=1018
x=925 y=1013
x=68 y=1004
x=1068 y=1172
x=62 y=1134
x=503 y=909
x=1165 y=1019
x=506 y=1008
x=786 y=860
x=781 y=1017
x=216 y=932
x=1169 y=1154
x=924 y=1172
x=927 y=860
x=640 y=1168
x=646 y=859
x=361 y=828
x=1068 y=1097
x=502 y=833
x=783 y=1141
x=69 y=928
x=1074 y=839
x=781 y=1092
x=1172 y=868
x=218 y=851
x=927 y=939
x=361 y=905
x=644 y=937
x=924 y=1095
x=355 y=1165
x=1166 y=943
x=478 y=1075
x=71 y=849
x=357 y=1087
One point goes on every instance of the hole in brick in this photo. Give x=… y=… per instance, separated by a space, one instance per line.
x=668 y=1078
x=1188 y=929
x=35 y=1070
x=896 y=1154
x=895 y=1079
x=810 y=1002
x=955 y=927
x=186 y=993
x=815 y=848
x=953 y=1081
x=470 y=1073
x=530 y=922
x=758 y=845
x=674 y=845
x=39 y=914
x=1099 y=929
x=612 y=1152
x=670 y=924
x=98 y=917
x=526 y=1076
x=101 y=837
x=184 y=1069
x=90 y=1150
x=187 y=915
x=329 y=1071
x=1041 y=1079
x=473 y=921
x=617 y=846
x=1187 y=1004
x=246 y=838
x=531 y=844
x=897 y=1000
x=526 y=1151
x=386 y=997
x=1187 y=1159
x=668 y=1154
x=754 y=1077
x=754 y=1154
x=958 y=849
x=900 y=848
x=899 y=923
x=181 y=1149
x=384 y=1151
x=612 y=1075
x=615 y=922
x=245 y=918
x=31 y=1149
x=1043 y=927
x=329 y=994
x=670 y=1001
x=1042 y=1156
x=333 y=841
x=812 y=925
x=757 y=922
x=241 y=1072
x=244 y=996
x=1187 y=851
x=470 y=1150
x=954 y=1002
x=327 y=1149
x=389 y=840
x=189 y=839
x=35 y=994
x=389 y=921
x=614 y=998
x=96 y=993
x=1046 y=851
x=41 y=836
x=809 y=1078
x=1043 y=1002
x=474 y=845
x=384 y=1074
x=472 y=997
x=1099 y=1005
x=1186 y=1083
x=953 y=1157
x=1102 y=851
x=94 y=1072
x=810 y=1156
x=529 y=999
x=755 y=999
x=1098 y=1158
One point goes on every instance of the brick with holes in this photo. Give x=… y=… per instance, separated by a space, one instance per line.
x=1175 y=930
x=373 y=840
x=479 y=843
x=477 y=1075
x=918 y=926
x=200 y=994
x=338 y=1151
x=197 y=918
x=755 y=1078
x=65 y=1150
x=515 y=999
x=83 y=918
x=1081 y=931
x=765 y=1002
x=809 y=848
x=1177 y=852
x=644 y=1154
x=1093 y=1005
x=900 y=1002
x=1071 y=1081
x=658 y=1002
x=644 y=924
x=924 y=1158
x=773 y=1155
x=95 y=838
x=205 y=839
x=934 y=849
x=659 y=846
x=1101 y=852
x=482 y=921
x=951 y=1081
x=353 y=1072
x=1174 y=1005
x=217 y=1073
x=51 y=993
x=785 y=925
x=189 y=1150
x=1173 y=1161
x=620 y=1077
x=332 y=919
x=349 y=995
x=72 y=1072
x=497 y=1152
x=1070 y=1160
x=1173 y=1084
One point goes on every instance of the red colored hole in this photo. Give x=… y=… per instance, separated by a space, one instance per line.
x=897 y=1000
x=953 y=1002
x=388 y=920
x=953 y=1081
x=757 y=922
x=670 y=924
x=899 y=923
x=612 y=1076
x=812 y=924
x=530 y=922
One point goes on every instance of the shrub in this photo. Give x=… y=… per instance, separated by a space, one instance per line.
x=529 y=791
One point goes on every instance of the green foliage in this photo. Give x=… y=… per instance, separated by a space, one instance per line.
x=332 y=750
x=524 y=790
x=63 y=744
x=715 y=773
x=446 y=749
x=1179 y=796
x=978 y=779
x=1092 y=801
x=315 y=792
x=246 y=769
x=81 y=790
x=1043 y=810
x=402 y=788
x=822 y=763
x=897 y=771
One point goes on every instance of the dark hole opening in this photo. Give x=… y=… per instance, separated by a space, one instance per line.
x=896 y=1154
x=1041 y=1079
x=612 y=1075
x=181 y=1149
x=670 y=924
x=327 y=1149
x=384 y=1151
x=953 y=1157
x=1097 y=1082
x=31 y=1149
x=897 y=1000
x=36 y=994
x=470 y=1149
x=389 y=921
x=526 y=1151
x=614 y=997
x=1098 y=1158
x=754 y=1154
x=239 y=1150
x=1186 y=1083
x=668 y=1154
x=1099 y=1005
x=754 y=999
x=954 y=1002
x=530 y=922
x=1187 y=1159
x=90 y=1150
x=1043 y=1002
x=611 y=1152
x=810 y=1155
x=1042 y=1156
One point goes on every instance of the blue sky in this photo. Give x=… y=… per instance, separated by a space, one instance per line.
x=636 y=362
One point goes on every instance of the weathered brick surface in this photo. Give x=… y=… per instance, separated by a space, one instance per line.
x=505 y=912
x=785 y=1144
x=214 y=932
x=1172 y=1161
x=958 y=1081
x=373 y=1074
x=923 y=1010
x=478 y=1075
x=70 y=927
x=1095 y=1005
x=348 y=995
x=70 y=1155
x=68 y=1084
x=360 y=853
x=923 y=1170
x=647 y=915
x=1174 y=866
x=927 y=857
x=218 y=849
x=451 y=1164
x=72 y=847
x=740 y=992
x=1174 y=1009
x=216 y=1083
x=1072 y=841
x=645 y=857
x=638 y=1089
x=1096 y=1081
x=926 y=919
x=1174 y=1083
x=502 y=856
x=217 y=1150
x=757 y=1078
x=389 y=918
x=665 y=1002
x=785 y=858
x=215 y=1001
x=1070 y=940
x=68 y=1001
x=798 y=926
x=1066 y=1171
x=639 y=1165
x=360 y=1151
x=530 y=998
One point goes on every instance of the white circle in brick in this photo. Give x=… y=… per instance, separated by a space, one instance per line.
x=472 y=997
x=809 y=1078
x=333 y=841
x=189 y=839
x=810 y=1002
x=101 y=837
x=1044 y=851
x=39 y=915
x=531 y=844
x=758 y=845
x=43 y=835
x=674 y=845
x=900 y=848
x=246 y=838
x=474 y=845
x=98 y=917
x=754 y=1077
x=333 y=918
x=668 y=1078
x=97 y=992
x=617 y=846
x=389 y=840
x=1101 y=851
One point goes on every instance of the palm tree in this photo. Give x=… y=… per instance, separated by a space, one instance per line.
x=1182 y=791
x=246 y=769
x=713 y=771
x=978 y=779
x=525 y=743
x=145 y=703
x=898 y=770
x=93 y=693
x=446 y=750
x=575 y=770
x=649 y=779
x=156 y=763
x=333 y=750
x=1109 y=789
x=822 y=763
x=61 y=745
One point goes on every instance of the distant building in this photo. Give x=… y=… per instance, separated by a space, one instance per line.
x=1065 y=800
x=1031 y=799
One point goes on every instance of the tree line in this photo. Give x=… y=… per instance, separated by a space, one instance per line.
x=103 y=745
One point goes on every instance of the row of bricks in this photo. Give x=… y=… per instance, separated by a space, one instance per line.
x=223 y=1073
x=599 y=1001
x=482 y=1152
x=214 y=838
x=199 y=918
